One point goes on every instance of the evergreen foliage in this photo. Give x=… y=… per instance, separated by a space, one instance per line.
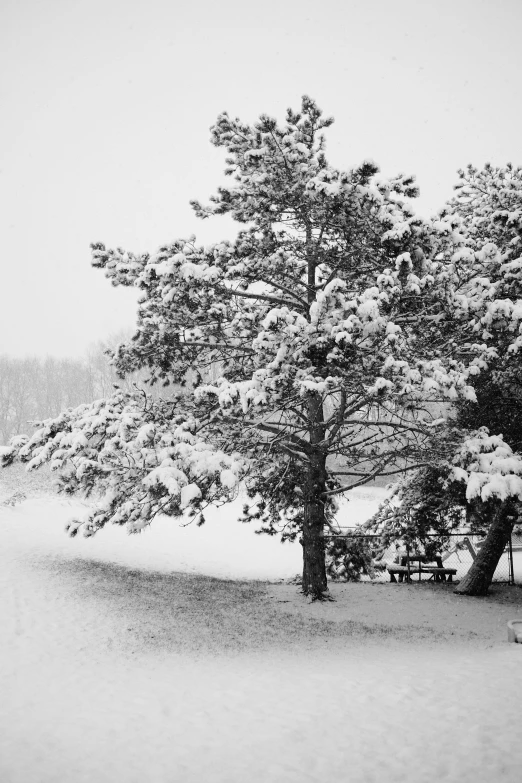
x=316 y=349
x=485 y=280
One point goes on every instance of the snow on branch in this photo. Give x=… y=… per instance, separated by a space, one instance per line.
x=137 y=458
x=489 y=468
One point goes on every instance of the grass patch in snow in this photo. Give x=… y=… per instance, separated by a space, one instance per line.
x=184 y=613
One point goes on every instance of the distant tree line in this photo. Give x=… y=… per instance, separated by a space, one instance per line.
x=36 y=388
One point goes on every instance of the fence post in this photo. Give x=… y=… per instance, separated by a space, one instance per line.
x=510 y=553
x=408 y=561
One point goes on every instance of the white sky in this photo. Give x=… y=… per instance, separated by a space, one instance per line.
x=106 y=105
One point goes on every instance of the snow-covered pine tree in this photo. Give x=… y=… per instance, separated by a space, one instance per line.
x=309 y=323
x=489 y=201
x=479 y=286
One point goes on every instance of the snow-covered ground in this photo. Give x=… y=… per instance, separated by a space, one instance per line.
x=222 y=547
x=115 y=669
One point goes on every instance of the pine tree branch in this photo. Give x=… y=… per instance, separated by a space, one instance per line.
x=250 y=295
x=404 y=427
x=288 y=291
x=264 y=427
x=388 y=473
x=247 y=351
x=338 y=419
x=365 y=480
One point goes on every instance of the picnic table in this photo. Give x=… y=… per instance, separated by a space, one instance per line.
x=433 y=566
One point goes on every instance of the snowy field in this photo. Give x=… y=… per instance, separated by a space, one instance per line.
x=222 y=547
x=117 y=667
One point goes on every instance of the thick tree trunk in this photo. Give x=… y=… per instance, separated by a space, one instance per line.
x=314 y=581
x=480 y=575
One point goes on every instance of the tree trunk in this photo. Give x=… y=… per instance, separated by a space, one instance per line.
x=480 y=575
x=314 y=581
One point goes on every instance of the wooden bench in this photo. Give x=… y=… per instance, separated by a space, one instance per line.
x=401 y=567
x=436 y=571
x=439 y=573
x=402 y=571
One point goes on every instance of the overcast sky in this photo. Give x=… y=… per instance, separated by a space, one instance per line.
x=106 y=106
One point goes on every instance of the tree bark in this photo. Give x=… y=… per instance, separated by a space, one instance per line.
x=480 y=575
x=314 y=582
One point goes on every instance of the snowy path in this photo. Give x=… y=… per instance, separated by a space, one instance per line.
x=116 y=672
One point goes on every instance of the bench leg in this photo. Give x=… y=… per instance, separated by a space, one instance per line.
x=392 y=578
x=450 y=577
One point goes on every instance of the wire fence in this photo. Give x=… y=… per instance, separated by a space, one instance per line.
x=457 y=556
